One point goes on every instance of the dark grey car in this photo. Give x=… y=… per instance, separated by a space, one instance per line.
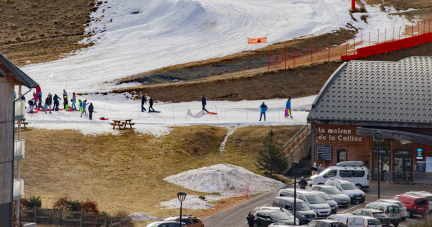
x=303 y=212
x=325 y=223
x=338 y=196
x=378 y=214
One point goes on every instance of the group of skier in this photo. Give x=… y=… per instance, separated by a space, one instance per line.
x=52 y=103
x=144 y=101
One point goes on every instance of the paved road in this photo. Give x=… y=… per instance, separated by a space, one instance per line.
x=235 y=217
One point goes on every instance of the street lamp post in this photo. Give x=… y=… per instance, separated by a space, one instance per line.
x=295 y=193
x=378 y=135
x=181 y=197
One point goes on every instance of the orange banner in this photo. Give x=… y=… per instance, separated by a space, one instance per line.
x=257 y=40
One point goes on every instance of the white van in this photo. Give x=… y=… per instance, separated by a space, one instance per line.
x=314 y=200
x=356 y=221
x=352 y=171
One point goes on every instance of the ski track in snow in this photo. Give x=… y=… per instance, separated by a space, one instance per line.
x=168 y=32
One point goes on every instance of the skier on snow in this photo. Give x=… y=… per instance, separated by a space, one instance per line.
x=56 y=102
x=48 y=103
x=90 y=110
x=143 y=101
x=151 y=105
x=264 y=108
x=65 y=100
x=204 y=103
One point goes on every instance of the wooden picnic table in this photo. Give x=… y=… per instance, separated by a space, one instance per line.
x=122 y=123
x=23 y=122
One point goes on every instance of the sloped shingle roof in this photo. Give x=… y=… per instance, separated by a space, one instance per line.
x=370 y=91
x=18 y=73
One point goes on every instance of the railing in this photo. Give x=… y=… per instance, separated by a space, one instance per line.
x=296 y=139
x=18 y=189
x=407 y=177
x=19 y=149
x=20 y=110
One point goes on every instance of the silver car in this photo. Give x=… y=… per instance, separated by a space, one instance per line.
x=402 y=208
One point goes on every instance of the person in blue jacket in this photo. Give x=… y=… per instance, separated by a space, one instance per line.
x=264 y=108
x=288 y=107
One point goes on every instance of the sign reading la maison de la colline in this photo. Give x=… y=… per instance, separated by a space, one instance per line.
x=339 y=133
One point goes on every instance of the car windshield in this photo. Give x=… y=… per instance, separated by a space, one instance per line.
x=393 y=209
x=325 y=196
x=278 y=216
x=348 y=186
x=421 y=202
x=379 y=215
x=324 y=172
x=302 y=206
x=333 y=191
x=429 y=198
x=314 y=199
x=374 y=222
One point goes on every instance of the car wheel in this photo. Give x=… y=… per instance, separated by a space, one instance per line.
x=359 y=186
x=409 y=214
x=403 y=219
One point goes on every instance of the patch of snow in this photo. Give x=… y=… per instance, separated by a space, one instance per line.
x=192 y=202
x=225 y=179
x=116 y=106
x=169 y=32
x=141 y=216
x=231 y=130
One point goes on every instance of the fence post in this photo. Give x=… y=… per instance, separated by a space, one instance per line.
x=369 y=38
x=354 y=45
x=268 y=68
x=81 y=219
x=412 y=29
x=385 y=35
x=285 y=56
x=329 y=51
x=311 y=51
x=361 y=39
x=35 y=215
x=378 y=37
x=294 y=55
x=346 y=52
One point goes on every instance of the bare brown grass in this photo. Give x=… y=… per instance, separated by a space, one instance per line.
x=42 y=30
x=126 y=171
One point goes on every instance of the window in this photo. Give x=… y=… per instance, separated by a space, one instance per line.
x=315 y=188
x=331 y=173
x=393 y=209
x=367 y=213
x=352 y=173
x=187 y=221
x=285 y=194
x=421 y=202
x=373 y=222
x=375 y=207
x=302 y=197
x=348 y=186
x=369 y=206
x=323 y=190
x=342 y=156
x=358 y=212
x=314 y=199
x=381 y=208
x=194 y=221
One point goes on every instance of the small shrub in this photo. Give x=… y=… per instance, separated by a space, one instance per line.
x=32 y=202
x=74 y=205
x=89 y=207
x=201 y=197
x=121 y=213
x=61 y=204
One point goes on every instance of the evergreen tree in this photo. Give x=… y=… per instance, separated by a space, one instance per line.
x=271 y=159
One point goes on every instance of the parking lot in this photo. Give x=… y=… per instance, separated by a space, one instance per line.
x=235 y=217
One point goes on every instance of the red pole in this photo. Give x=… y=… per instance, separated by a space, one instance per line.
x=311 y=52
x=352 y=4
x=354 y=44
x=347 y=47
x=268 y=69
x=294 y=54
x=285 y=56
x=329 y=50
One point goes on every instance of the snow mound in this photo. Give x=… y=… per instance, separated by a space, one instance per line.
x=224 y=179
x=141 y=216
x=192 y=202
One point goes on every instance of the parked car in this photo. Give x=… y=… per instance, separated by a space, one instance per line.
x=352 y=171
x=324 y=223
x=378 y=214
x=390 y=209
x=314 y=200
x=165 y=224
x=402 y=208
x=338 y=196
x=329 y=200
x=356 y=221
x=263 y=218
x=414 y=204
x=425 y=194
x=303 y=211
x=189 y=220
x=349 y=189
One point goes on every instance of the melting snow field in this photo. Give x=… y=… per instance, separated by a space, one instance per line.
x=225 y=179
x=135 y=36
x=115 y=106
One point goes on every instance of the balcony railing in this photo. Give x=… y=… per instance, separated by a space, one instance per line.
x=20 y=110
x=18 y=190
x=19 y=149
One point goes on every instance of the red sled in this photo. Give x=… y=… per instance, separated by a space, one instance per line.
x=287 y=113
x=103 y=119
x=212 y=113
